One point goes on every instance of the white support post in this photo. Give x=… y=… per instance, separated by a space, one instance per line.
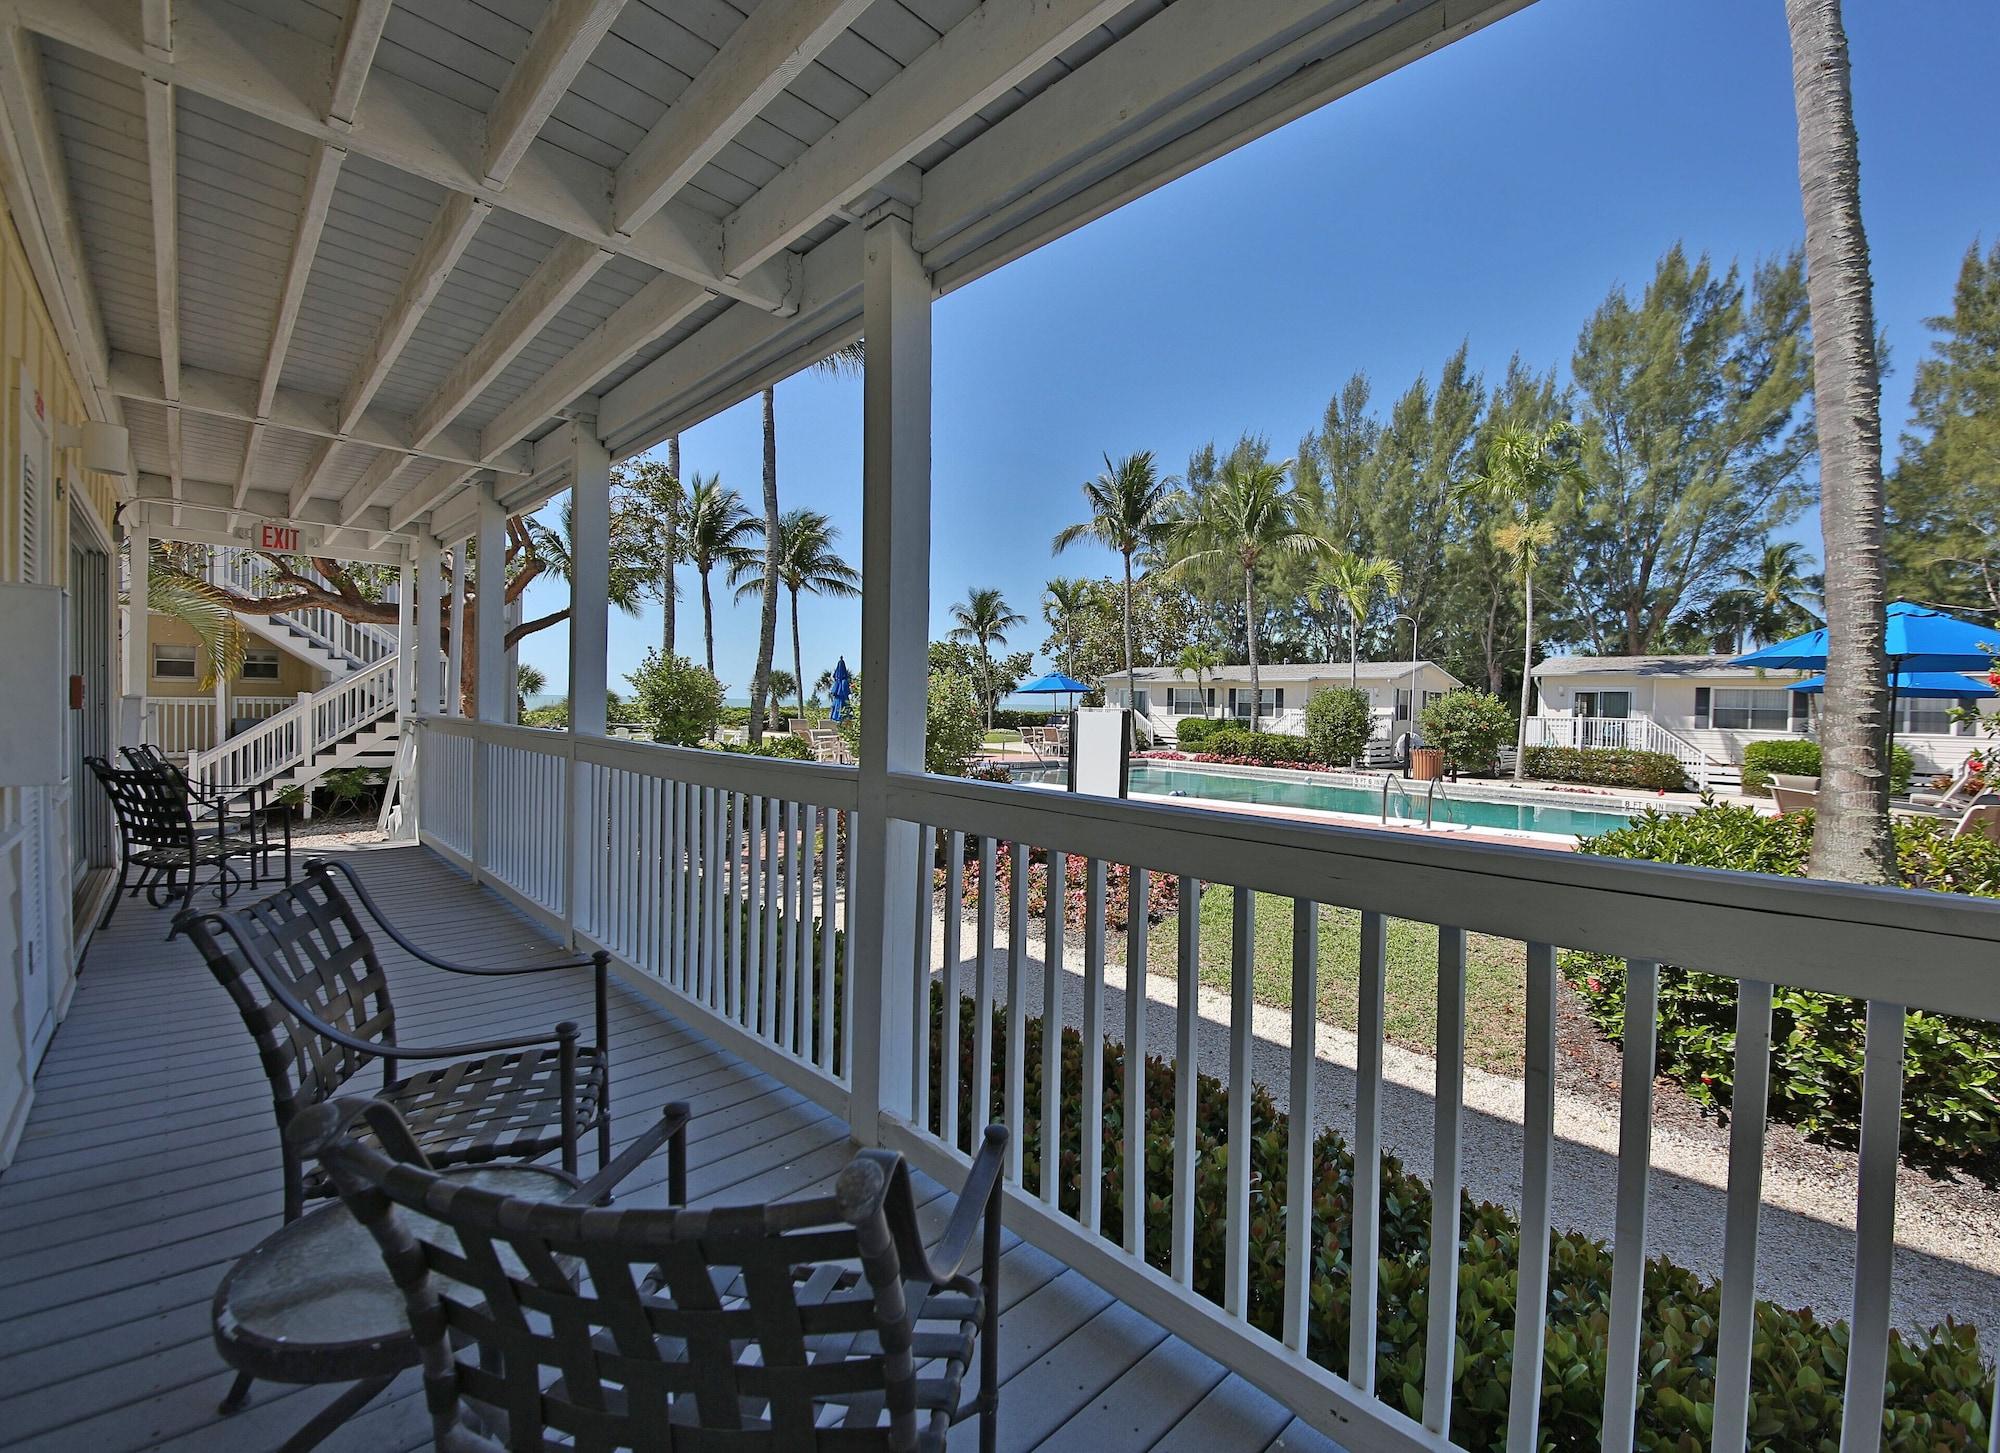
x=895 y=620
x=406 y=636
x=491 y=685
x=132 y=724
x=423 y=636
x=589 y=626
x=454 y=674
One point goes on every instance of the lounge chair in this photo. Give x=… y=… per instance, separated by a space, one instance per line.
x=1792 y=799
x=1983 y=816
x=1961 y=786
x=1795 y=782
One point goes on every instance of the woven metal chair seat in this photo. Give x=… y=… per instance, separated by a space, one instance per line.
x=205 y=850
x=501 y=1107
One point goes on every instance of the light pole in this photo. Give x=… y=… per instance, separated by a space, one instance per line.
x=1399 y=616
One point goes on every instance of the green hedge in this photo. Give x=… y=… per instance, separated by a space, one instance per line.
x=1264 y=749
x=1799 y=756
x=1606 y=767
x=1940 y=1389
x=1951 y=1094
x=784 y=745
x=1192 y=731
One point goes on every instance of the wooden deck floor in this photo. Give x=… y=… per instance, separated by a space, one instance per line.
x=150 y=1163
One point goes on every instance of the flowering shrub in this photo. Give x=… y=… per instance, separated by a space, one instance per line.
x=1162 y=889
x=1222 y=760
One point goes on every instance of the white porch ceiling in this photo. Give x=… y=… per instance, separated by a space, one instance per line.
x=339 y=259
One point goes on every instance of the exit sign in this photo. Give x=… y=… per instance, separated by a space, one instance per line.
x=282 y=538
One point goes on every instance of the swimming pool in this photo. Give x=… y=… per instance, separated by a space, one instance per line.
x=1165 y=779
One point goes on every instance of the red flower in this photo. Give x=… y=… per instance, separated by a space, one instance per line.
x=1596 y=984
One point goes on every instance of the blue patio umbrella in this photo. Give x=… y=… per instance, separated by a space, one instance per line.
x=1053 y=684
x=1932 y=684
x=1918 y=640
x=843 y=688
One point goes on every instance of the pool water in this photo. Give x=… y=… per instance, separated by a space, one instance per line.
x=1161 y=779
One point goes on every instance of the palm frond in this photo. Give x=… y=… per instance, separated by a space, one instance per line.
x=203 y=609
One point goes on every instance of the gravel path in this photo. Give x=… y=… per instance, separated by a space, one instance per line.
x=1948 y=1233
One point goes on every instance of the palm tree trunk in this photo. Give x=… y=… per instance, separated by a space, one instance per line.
x=1250 y=635
x=986 y=683
x=1353 y=649
x=708 y=619
x=798 y=657
x=1851 y=838
x=1131 y=673
x=767 y=625
x=672 y=556
x=1527 y=672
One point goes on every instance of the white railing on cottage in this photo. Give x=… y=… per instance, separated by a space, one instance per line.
x=249 y=573
x=296 y=735
x=1619 y=733
x=178 y=725
x=705 y=872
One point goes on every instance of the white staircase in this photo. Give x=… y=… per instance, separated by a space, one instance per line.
x=352 y=721
x=1631 y=734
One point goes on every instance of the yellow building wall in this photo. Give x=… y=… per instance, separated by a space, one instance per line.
x=28 y=340
x=294 y=675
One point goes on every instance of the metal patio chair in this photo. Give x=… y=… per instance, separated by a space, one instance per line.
x=161 y=840
x=797 y=1325
x=304 y=973
x=243 y=811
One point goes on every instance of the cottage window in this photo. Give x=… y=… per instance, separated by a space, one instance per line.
x=1741 y=709
x=174 y=663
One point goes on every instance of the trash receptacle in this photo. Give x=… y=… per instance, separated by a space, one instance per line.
x=1426 y=764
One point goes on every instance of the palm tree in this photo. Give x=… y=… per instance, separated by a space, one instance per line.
x=1355 y=580
x=1529 y=475
x=1777 y=598
x=984 y=618
x=1851 y=836
x=1198 y=660
x=807 y=565
x=1063 y=602
x=204 y=609
x=719 y=532
x=1243 y=517
x=1128 y=510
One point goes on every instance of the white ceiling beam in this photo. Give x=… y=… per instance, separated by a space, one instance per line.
x=156 y=28
x=997 y=46
x=309 y=477
x=322 y=172
x=762 y=56
x=271 y=504
x=206 y=528
x=239 y=57
x=228 y=396
x=39 y=187
x=533 y=307
x=449 y=235
x=360 y=33
x=376 y=480
x=163 y=198
x=659 y=307
x=426 y=493
x=569 y=31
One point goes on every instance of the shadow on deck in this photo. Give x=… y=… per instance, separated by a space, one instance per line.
x=150 y=1163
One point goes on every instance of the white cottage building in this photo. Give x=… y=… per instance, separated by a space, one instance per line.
x=1706 y=712
x=1168 y=695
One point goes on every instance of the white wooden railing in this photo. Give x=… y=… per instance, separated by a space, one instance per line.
x=314 y=723
x=703 y=872
x=178 y=725
x=249 y=573
x=1619 y=733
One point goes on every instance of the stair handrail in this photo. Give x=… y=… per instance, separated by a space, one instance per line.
x=249 y=573
x=318 y=721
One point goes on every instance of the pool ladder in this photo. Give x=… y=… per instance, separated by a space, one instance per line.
x=1402 y=792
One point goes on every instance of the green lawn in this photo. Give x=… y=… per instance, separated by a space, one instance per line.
x=1000 y=736
x=1494 y=976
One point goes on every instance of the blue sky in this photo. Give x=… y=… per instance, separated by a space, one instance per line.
x=1493 y=193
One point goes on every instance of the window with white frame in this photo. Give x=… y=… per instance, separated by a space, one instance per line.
x=260 y=665
x=174 y=663
x=1187 y=701
x=1923 y=717
x=1270 y=701
x=1742 y=709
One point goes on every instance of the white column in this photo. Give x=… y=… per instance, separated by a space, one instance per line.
x=492 y=687
x=590 y=587
x=895 y=612
x=132 y=712
x=406 y=636
x=454 y=672
x=589 y=631
x=424 y=682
